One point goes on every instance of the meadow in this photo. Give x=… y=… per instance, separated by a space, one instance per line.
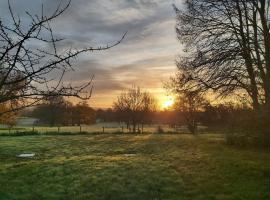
x=106 y=127
x=132 y=166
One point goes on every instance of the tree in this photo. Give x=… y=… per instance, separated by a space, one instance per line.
x=51 y=111
x=190 y=104
x=134 y=107
x=25 y=69
x=9 y=118
x=222 y=115
x=107 y=115
x=58 y=111
x=227 y=48
x=82 y=113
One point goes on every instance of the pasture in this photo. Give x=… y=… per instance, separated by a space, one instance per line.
x=106 y=127
x=142 y=166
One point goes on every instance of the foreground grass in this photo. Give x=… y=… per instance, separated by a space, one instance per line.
x=132 y=167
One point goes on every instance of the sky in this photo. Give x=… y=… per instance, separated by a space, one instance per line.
x=145 y=58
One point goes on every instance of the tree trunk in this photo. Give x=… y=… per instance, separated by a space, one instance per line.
x=266 y=40
x=246 y=53
x=134 y=127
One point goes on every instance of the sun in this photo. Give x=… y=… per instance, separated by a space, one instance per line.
x=168 y=103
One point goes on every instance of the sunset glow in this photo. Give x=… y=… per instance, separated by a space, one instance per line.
x=168 y=103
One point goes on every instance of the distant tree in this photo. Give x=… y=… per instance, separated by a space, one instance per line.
x=107 y=115
x=83 y=114
x=58 y=111
x=148 y=109
x=190 y=104
x=26 y=70
x=9 y=118
x=227 y=47
x=134 y=107
x=217 y=115
x=50 y=111
x=66 y=115
x=171 y=117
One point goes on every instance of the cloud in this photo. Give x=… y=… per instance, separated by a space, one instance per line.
x=145 y=58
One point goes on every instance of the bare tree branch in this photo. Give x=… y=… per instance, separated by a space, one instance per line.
x=25 y=71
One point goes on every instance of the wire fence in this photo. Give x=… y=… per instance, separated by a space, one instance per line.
x=95 y=128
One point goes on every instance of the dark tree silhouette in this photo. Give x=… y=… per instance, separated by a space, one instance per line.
x=133 y=107
x=82 y=113
x=51 y=111
x=57 y=111
x=190 y=104
x=227 y=47
x=26 y=70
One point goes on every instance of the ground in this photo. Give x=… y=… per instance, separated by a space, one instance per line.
x=107 y=127
x=115 y=166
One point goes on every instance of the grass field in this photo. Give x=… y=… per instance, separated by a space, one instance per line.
x=149 y=166
x=108 y=128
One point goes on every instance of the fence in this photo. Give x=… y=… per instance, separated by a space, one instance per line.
x=96 y=128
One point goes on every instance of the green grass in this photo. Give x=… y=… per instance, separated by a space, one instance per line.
x=109 y=127
x=155 y=167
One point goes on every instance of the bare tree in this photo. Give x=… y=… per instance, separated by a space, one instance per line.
x=134 y=106
x=227 y=47
x=190 y=104
x=26 y=71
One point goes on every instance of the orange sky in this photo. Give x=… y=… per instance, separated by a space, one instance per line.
x=146 y=57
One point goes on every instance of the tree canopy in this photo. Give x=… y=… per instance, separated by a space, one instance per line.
x=227 y=48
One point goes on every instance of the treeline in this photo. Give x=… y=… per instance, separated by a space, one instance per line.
x=58 y=111
x=135 y=108
x=218 y=117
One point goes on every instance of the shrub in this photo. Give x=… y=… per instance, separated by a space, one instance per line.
x=249 y=129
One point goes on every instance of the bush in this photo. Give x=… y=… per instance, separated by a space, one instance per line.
x=249 y=129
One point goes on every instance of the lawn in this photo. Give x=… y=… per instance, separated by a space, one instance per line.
x=115 y=166
x=107 y=127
